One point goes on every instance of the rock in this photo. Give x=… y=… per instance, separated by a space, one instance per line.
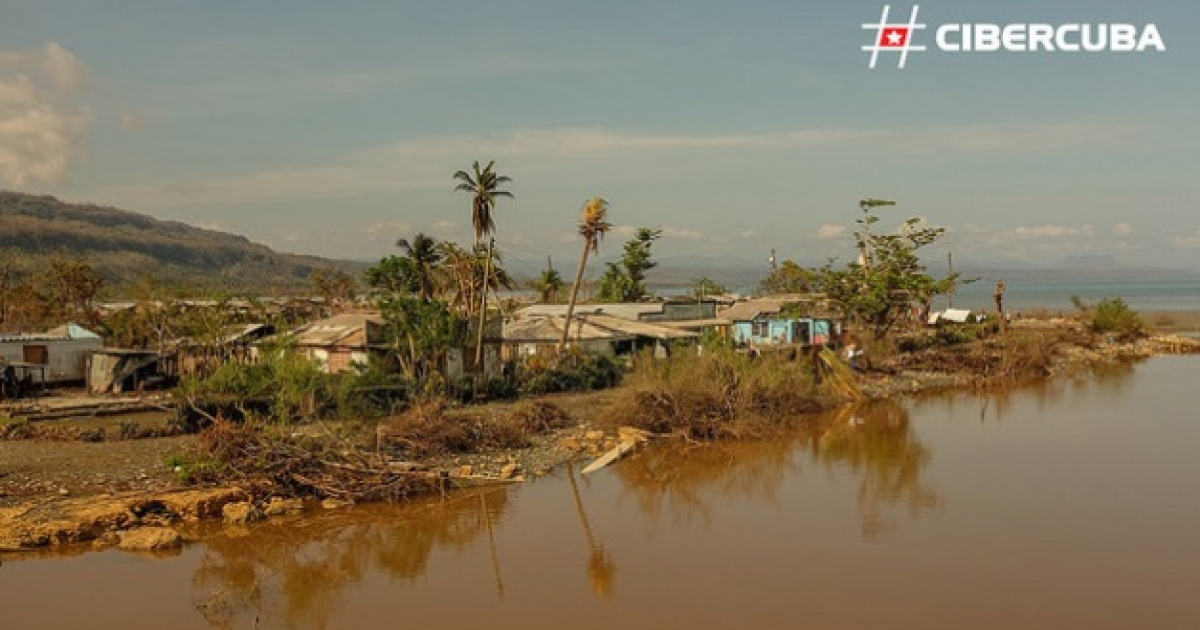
x=571 y=444
x=106 y=540
x=509 y=471
x=593 y=436
x=150 y=539
x=196 y=504
x=333 y=504
x=278 y=506
x=463 y=471
x=240 y=513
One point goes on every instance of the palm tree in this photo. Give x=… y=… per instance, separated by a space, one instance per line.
x=484 y=189
x=548 y=285
x=426 y=258
x=593 y=225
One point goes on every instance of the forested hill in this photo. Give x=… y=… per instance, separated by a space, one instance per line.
x=123 y=245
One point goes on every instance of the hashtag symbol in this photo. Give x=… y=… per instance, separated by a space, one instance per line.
x=893 y=37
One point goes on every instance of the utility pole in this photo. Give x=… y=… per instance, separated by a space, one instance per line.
x=772 y=259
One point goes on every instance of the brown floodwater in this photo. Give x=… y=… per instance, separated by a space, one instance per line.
x=1075 y=504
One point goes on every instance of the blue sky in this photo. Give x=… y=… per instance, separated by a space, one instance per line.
x=736 y=127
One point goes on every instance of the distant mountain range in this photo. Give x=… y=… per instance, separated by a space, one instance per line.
x=123 y=245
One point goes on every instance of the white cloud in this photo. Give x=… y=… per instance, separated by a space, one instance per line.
x=42 y=130
x=625 y=230
x=829 y=231
x=1191 y=241
x=1051 y=231
x=388 y=231
x=1122 y=229
x=749 y=234
x=674 y=232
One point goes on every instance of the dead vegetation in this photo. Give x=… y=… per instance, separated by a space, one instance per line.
x=277 y=460
x=719 y=394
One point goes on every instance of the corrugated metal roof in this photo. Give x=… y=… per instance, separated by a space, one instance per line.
x=637 y=329
x=331 y=331
x=631 y=311
x=548 y=329
x=751 y=309
x=585 y=327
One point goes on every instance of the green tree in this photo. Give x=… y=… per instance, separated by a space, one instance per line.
x=332 y=284
x=704 y=286
x=889 y=278
x=420 y=333
x=787 y=278
x=392 y=276
x=425 y=258
x=593 y=225
x=548 y=285
x=625 y=280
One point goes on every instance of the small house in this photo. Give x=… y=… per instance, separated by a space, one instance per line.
x=766 y=322
x=61 y=352
x=341 y=342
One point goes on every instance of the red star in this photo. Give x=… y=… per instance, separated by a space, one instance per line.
x=893 y=37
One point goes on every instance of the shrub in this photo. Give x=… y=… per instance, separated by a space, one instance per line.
x=1113 y=316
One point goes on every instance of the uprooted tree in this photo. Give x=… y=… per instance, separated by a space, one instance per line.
x=888 y=280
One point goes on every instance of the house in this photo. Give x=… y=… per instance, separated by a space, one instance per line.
x=697 y=315
x=774 y=321
x=342 y=342
x=117 y=370
x=339 y=343
x=62 y=353
x=536 y=333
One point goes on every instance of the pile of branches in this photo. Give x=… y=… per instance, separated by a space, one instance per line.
x=269 y=462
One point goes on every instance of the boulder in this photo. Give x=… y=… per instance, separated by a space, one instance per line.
x=150 y=539
x=278 y=506
x=241 y=513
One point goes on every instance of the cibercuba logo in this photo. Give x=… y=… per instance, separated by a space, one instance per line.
x=952 y=37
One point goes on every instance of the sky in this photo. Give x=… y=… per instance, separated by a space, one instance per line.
x=334 y=128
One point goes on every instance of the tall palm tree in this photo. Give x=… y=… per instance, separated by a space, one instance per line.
x=426 y=258
x=484 y=188
x=593 y=225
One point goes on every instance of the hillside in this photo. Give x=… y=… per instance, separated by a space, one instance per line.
x=123 y=245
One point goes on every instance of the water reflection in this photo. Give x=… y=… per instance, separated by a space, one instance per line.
x=1111 y=380
x=601 y=567
x=872 y=439
x=295 y=571
x=876 y=441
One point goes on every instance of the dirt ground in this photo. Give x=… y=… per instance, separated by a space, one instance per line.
x=34 y=468
x=39 y=469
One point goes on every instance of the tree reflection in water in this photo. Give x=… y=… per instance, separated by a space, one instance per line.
x=872 y=439
x=292 y=572
x=875 y=440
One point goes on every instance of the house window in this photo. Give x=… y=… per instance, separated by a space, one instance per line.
x=37 y=354
x=760 y=329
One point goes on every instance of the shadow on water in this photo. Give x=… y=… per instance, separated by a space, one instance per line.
x=873 y=440
x=295 y=570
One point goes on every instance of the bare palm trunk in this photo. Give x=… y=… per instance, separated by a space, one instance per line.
x=587 y=245
x=487 y=272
